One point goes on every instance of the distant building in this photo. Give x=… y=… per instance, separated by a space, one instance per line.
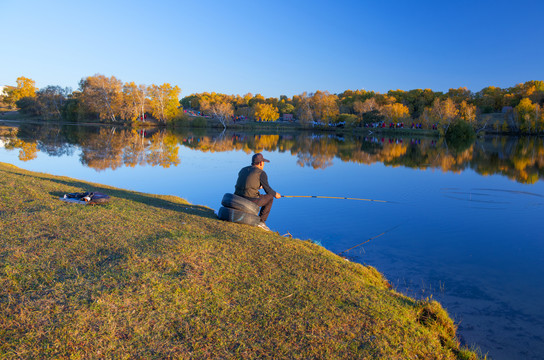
x=2 y=88
x=288 y=117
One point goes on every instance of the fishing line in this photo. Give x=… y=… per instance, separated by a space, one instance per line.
x=513 y=192
x=372 y=238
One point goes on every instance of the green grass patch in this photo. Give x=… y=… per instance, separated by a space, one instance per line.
x=148 y=276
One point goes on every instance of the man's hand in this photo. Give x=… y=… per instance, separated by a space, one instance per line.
x=278 y=195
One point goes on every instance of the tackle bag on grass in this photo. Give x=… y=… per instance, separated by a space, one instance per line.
x=88 y=198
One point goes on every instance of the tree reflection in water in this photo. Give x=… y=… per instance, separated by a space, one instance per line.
x=519 y=158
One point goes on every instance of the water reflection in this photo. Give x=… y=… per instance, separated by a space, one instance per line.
x=520 y=159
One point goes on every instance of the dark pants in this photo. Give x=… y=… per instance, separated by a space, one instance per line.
x=265 y=202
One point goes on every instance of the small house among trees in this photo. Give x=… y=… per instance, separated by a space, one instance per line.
x=288 y=117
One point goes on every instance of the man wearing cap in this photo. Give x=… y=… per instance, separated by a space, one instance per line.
x=250 y=180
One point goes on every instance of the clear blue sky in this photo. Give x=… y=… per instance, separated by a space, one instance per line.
x=275 y=48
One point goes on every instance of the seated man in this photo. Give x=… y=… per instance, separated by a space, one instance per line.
x=250 y=180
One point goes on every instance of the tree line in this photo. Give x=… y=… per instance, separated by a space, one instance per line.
x=521 y=104
x=99 y=97
x=108 y=99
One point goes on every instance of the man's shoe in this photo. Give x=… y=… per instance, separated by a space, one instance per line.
x=263 y=226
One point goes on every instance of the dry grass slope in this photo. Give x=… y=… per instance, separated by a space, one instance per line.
x=155 y=277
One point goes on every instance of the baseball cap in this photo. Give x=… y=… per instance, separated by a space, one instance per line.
x=257 y=158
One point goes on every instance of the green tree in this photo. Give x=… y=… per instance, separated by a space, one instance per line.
x=490 y=99
x=52 y=100
x=285 y=107
x=459 y=95
x=190 y=102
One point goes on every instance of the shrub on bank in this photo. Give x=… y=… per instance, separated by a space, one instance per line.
x=460 y=135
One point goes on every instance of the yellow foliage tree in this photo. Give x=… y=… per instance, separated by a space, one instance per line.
x=164 y=101
x=25 y=88
x=102 y=95
x=217 y=105
x=366 y=106
x=265 y=112
x=131 y=106
x=324 y=105
x=467 y=112
x=303 y=109
x=444 y=112
x=527 y=115
x=395 y=112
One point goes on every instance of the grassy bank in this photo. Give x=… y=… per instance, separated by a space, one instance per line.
x=149 y=276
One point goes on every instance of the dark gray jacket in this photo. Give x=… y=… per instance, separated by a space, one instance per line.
x=250 y=179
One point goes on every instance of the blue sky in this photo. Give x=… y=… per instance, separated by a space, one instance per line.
x=275 y=48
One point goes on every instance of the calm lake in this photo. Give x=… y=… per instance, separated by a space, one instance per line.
x=464 y=223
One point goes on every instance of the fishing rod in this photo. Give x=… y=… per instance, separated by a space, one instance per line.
x=333 y=197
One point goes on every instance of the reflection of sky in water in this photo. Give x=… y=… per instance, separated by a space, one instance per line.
x=476 y=250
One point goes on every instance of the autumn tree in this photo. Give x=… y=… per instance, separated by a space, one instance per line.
x=257 y=99
x=533 y=89
x=395 y=112
x=102 y=95
x=527 y=115
x=247 y=98
x=364 y=107
x=537 y=96
x=265 y=112
x=459 y=95
x=25 y=89
x=241 y=105
x=467 y=112
x=142 y=99
x=164 y=101
x=444 y=112
x=303 y=109
x=134 y=101
x=349 y=98
x=218 y=106
x=324 y=105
